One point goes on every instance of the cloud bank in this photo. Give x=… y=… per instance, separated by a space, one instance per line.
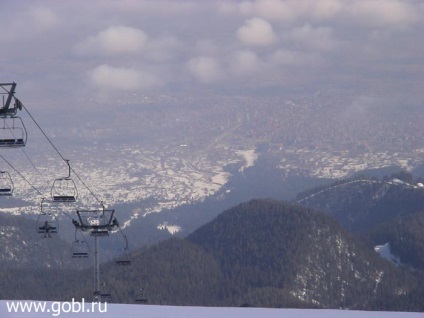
x=144 y=46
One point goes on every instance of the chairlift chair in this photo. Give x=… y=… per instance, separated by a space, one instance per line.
x=47 y=223
x=64 y=190
x=141 y=299
x=122 y=255
x=12 y=132
x=6 y=184
x=105 y=297
x=80 y=249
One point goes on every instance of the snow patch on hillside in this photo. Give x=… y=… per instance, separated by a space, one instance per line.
x=384 y=251
x=170 y=228
x=250 y=156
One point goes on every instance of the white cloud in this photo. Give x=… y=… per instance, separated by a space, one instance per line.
x=268 y=9
x=163 y=49
x=381 y=13
x=323 y=9
x=287 y=57
x=244 y=62
x=256 y=32
x=105 y=77
x=205 y=69
x=223 y=41
x=290 y=11
x=114 y=41
x=320 y=38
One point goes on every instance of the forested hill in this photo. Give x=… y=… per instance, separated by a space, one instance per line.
x=272 y=250
x=261 y=253
x=388 y=210
x=266 y=253
x=22 y=247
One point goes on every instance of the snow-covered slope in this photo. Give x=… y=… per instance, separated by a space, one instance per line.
x=135 y=311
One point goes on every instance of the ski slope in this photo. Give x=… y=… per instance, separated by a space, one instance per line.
x=152 y=311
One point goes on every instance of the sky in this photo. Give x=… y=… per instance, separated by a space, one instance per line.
x=61 y=51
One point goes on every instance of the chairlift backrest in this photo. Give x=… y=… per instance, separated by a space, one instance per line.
x=12 y=132
x=64 y=190
x=80 y=249
x=6 y=184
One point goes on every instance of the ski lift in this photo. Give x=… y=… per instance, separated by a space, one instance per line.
x=122 y=255
x=80 y=248
x=98 y=222
x=6 y=110
x=6 y=184
x=141 y=299
x=64 y=189
x=105 y=296
x=12 y=128
x=12 y=132
x=47 y=223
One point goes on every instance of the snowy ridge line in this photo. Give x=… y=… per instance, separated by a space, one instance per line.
x=135 y=311
x=401 y=183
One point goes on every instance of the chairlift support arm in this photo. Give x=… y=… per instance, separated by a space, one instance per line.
x=5 y=109
x=11 y=92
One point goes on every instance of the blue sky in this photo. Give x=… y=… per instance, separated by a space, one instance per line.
x=91 y=50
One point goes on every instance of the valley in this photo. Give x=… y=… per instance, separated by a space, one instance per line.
x=175 y=150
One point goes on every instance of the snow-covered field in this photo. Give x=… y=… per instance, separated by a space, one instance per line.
x=151 y=311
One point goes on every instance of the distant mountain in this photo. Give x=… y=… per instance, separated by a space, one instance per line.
x=263 y=253
x=381 y=211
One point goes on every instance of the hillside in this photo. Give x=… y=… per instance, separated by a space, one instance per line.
x=265 y=253
x=22 y=247
x=273 y=249
x=377 y=211
x=262 y=253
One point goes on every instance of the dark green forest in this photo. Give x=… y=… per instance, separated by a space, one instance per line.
x=317 y=252
x=260 y=253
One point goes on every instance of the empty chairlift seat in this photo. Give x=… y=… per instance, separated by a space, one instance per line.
x=80 y=249
x=122 y=257
x=64 y=190
x=6 y=184
x=12 y=132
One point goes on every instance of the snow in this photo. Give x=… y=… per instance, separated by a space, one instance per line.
x=153 y=311
x=250 y=156
x=170 y=228
x=384 y=251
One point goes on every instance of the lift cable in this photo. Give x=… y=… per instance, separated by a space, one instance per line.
x=76 y=174
x=29 y=159
x=61 y=156
x=34 y=187
x=22 y=176
x=44 y=198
